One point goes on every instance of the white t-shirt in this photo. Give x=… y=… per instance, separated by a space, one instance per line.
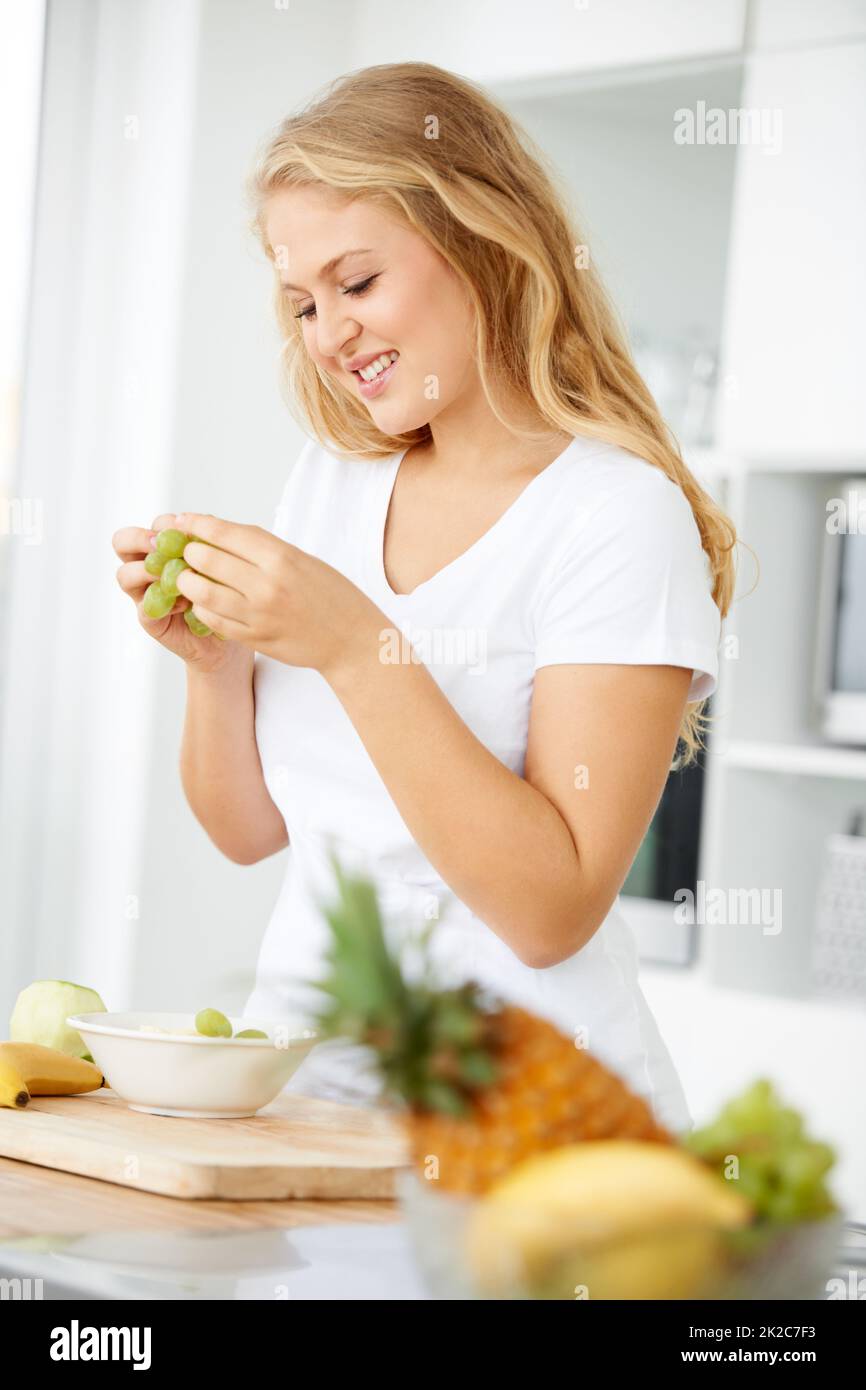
x=598 y=560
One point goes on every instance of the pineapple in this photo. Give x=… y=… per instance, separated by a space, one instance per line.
x=482 y=1086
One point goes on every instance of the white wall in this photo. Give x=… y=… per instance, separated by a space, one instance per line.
x=494 y=39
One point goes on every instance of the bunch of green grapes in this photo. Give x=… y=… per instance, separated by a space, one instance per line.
x=781 y=1170
x=166 y=562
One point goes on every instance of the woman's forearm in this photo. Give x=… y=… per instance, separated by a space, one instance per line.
x=498 y=843
x=220 y=768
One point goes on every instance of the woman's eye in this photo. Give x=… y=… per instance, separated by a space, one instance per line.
x=360 y=288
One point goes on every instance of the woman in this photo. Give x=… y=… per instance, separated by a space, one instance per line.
x=490 y=606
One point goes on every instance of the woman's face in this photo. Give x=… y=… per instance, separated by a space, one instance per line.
x=366 y=287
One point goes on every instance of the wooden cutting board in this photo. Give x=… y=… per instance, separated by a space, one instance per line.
x=297 y=1146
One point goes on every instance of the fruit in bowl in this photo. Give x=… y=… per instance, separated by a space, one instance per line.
x=162 y=1063
x=536 y=1172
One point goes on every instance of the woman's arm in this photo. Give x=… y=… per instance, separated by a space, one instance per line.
x=220 y=768
x=540 y=859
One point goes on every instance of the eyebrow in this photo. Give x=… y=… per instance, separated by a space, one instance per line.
x=331 y=266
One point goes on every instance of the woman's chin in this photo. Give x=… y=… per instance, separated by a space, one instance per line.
x=395 y=419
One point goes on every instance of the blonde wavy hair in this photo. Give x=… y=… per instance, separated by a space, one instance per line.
x=435 y=149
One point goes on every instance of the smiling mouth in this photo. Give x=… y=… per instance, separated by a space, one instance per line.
x=379 y=365
x=373 y=378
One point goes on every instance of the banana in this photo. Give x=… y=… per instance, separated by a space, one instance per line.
x=13 y=1088
x=28 y=1069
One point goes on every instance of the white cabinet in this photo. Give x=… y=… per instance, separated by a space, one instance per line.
x=793 y=362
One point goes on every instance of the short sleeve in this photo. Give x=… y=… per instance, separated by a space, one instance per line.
x=631 y=586
x=293 y=487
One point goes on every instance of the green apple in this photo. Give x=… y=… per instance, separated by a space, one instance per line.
x=41 y=1011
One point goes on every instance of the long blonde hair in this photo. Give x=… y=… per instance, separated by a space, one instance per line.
x=435 y=148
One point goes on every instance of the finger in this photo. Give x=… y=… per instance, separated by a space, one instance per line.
x=131 y=542
x=133 y=578
x=225 y=627
x=162 y=523
x=217 y=598
x=164 y=622
x=243 y=541
x=221 y=566
x=135 y=581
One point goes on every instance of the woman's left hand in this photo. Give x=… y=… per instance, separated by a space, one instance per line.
x=252 y=587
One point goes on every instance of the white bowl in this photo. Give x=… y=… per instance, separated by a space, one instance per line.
x=173 y=1073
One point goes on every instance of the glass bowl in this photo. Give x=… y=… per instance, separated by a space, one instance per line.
x=672 y=1262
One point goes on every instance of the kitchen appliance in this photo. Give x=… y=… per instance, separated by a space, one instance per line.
x=839 y=945
x=666 y=863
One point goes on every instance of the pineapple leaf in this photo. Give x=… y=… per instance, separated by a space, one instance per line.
x=431 y=1043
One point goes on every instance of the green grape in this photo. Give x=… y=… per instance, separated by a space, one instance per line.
x=195 y=625
x=753 y=1111
x=154 y=562
x=713 y=1139
x=170 y=543
x=156 y=603
x=212 y=1024
x=168 y=579
x=788 y=1125
x=752 y=1183
x=781 y=1170
x=804 y=1166
x=251 y=1033
x=782 y=1206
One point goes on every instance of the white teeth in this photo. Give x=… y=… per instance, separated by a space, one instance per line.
x=374 y=369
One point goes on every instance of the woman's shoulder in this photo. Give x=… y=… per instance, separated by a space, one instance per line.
x=609 y=489
x=599 y=470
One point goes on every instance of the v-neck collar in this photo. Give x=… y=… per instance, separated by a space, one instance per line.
x=502 y=523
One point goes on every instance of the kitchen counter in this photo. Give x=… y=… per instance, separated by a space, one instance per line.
x=90 y=1239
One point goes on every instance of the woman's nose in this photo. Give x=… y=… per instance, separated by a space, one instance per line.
x=334 y=329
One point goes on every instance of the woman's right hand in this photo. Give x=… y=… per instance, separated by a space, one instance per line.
x=132 y=544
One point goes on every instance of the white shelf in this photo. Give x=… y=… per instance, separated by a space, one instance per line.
x=800 y=759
